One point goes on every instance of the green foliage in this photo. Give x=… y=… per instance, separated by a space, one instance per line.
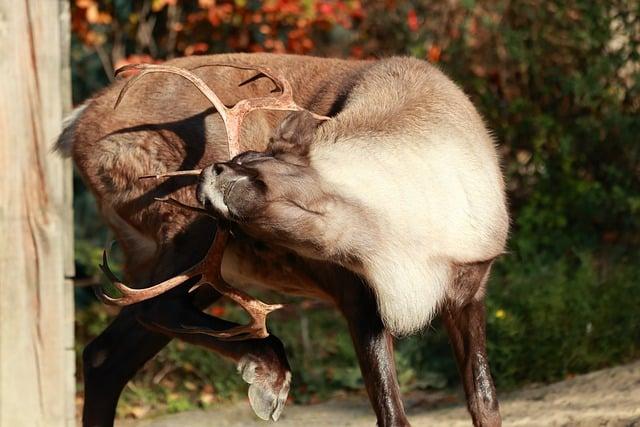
x=559 y=84
x=562 y=318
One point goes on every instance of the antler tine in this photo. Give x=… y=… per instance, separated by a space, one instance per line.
x=285 y=99
x=192 y=172
x=282 y=102
x=262 y=72
x=134 y=295
x=257 y=310
x=209 y=270
x=232 y=135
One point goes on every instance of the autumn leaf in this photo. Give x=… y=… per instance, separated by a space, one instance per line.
x=434 y=54
x=412 y=20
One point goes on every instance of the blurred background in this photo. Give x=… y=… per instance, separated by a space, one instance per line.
x=558 y=82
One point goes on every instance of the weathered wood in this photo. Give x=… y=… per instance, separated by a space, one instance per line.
x=36 y=246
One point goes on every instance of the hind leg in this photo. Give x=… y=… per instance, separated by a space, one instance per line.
x=139 y=332
x=110 y=361
x=374 y=348
x=114 y=357
x=466 y=329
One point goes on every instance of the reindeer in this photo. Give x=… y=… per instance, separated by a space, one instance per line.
x=393 y=210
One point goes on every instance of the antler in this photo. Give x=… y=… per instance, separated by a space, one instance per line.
x=209 y=271
x=176 y=173
x=209 y=268
x=232 y=117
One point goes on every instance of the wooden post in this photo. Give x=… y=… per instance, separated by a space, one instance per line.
x=36 y=219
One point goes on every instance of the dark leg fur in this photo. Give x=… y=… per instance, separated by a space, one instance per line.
x=139 y=332
x=465 y=325
x=374 y=347
x=111 y=360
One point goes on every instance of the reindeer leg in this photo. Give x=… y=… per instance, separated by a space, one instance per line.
x=114 y=357
x=262 y=362
x=466 y=329
x=139 y=332
x=111 y=360
x=374 y=348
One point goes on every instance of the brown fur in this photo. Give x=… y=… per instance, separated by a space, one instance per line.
x=400 y=186
x=164 y=124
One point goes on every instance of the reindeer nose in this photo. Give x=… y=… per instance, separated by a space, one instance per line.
x=212 y=180
x=220 y=168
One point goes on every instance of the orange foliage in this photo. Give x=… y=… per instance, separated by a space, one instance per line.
x=167 y=28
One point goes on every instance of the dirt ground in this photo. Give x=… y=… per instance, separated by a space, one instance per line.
x=610 y=397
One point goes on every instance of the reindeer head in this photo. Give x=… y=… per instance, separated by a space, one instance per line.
x=274 y=194
x=240 y=188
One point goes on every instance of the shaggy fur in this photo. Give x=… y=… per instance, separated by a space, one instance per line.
x=401 y=186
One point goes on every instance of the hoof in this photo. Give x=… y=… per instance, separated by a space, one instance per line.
x=268 y=387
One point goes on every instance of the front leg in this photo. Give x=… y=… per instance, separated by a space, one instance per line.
x=466 y=329
x=374 y=348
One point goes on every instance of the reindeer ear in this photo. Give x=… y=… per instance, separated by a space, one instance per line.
x=294 y=134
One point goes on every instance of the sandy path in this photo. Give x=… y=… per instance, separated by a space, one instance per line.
x=610 y=397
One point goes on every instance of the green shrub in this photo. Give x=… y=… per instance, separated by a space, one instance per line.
x=563 y=318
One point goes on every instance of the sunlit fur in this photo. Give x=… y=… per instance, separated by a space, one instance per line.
x=410 y=147
x=400 y=187
x=410 y=176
